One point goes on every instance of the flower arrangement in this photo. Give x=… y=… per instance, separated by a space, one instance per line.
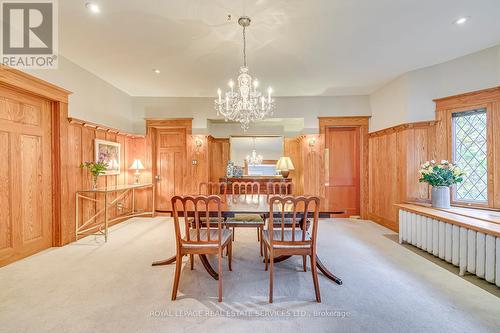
x=96 y=169
x=440 y=174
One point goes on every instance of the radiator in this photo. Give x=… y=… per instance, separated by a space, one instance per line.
x=470 y=250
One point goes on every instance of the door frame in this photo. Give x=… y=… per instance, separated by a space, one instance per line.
x=362 y=123
x=154 y=124
x=58 y=97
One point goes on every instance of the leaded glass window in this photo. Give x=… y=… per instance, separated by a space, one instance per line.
x=470 y=154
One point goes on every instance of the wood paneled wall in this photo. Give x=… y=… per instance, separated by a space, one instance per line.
x=309 y=175
x=218 y=156
x=198 y=162
x=395 y=155
x=80 y=140
x=293 y=149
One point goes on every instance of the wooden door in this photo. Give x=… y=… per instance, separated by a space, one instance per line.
x=170 y=165
x=25 y=175
x=342 y=186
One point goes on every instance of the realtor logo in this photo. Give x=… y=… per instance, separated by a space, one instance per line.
x=29 y=33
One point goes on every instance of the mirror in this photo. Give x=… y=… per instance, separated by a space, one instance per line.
x=269 y=147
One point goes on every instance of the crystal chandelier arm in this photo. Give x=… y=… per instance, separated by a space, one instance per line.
x=244 y=47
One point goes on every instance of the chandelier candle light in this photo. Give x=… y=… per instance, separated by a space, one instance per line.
x=244 y=103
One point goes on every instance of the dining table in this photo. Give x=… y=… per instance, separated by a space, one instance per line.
x=254 y=204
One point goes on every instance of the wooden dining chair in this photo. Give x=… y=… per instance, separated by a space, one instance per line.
x=213 y=188
x=247 y=220
x=249 y=188
x=297 y=240
x=279 y=188
x=198 y=237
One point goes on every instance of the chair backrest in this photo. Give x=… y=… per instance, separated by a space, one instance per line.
x=246 y=188
x=199 y=206
x=279 y=188
x=212 y=188
x=299 y=208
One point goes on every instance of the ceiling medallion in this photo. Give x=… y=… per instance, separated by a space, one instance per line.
x=244 y=103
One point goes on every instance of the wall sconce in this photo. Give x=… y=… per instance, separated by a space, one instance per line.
x=312 y=143
x=198 y=143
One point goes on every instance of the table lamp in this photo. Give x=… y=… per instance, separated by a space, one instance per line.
x=284 y=165
x=137 y=165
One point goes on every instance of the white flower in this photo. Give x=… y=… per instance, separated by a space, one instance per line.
x=433 y=162
x=445 y=162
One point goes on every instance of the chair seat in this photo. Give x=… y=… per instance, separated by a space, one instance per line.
x=210 y=218
x=288 y=221
x=245 y=219
x=214 y=235
x=287 y=237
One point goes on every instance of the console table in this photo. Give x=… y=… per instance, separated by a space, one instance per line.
x=102 y=228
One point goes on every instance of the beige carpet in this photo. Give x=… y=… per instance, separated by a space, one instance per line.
x=91 y=286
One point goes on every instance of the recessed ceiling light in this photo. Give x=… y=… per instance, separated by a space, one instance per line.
x=93 y=7
x=157 y=71
x=461 y=20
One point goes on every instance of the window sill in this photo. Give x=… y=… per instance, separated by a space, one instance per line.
x=482 y=221
x=480 y=213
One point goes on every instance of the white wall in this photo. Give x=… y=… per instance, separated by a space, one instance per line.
x=409 y=97
x=201 y=109
x=93 y=99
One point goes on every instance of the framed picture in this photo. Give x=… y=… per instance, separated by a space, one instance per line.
x=108 y=152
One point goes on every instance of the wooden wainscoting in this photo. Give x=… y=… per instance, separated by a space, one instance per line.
x=293 y=149
x=81 y=136
x=395 y=155
x=218 y=156
x=308 y=176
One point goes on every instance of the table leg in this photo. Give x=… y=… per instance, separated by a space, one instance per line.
x=207 y=266
x=320 y=266
x=203 y=259
x=326 y=272
x=164 y=262
x=106 y=216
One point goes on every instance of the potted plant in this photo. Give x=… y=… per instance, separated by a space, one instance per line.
x=96 y=169
x=440 y=176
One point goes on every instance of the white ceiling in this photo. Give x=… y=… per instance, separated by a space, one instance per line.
x=300 y=48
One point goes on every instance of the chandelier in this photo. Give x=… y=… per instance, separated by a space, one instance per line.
x=254 y=159
x=244 y=103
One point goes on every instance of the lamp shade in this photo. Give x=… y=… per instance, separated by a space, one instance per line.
x=284 y=163
x=137 y=165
